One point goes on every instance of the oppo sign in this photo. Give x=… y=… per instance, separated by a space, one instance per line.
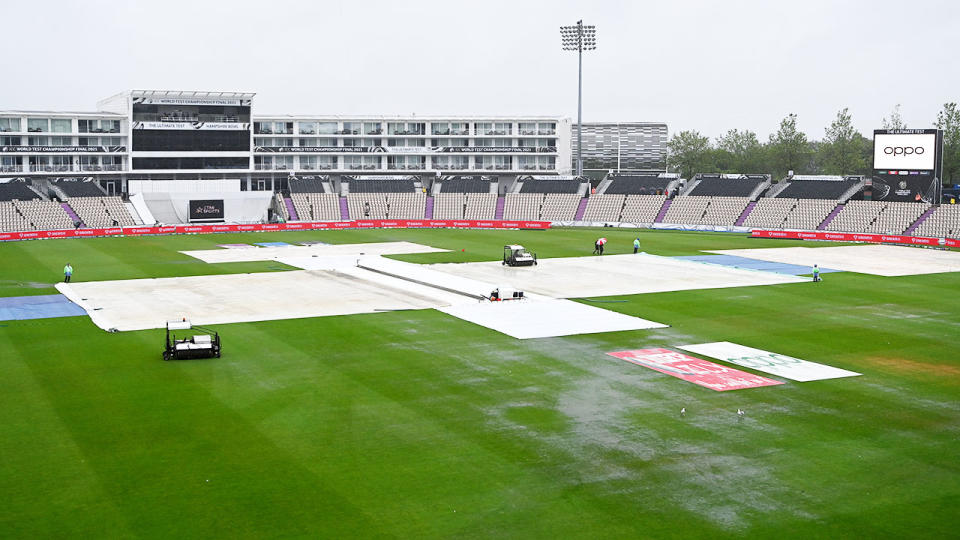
x=911 y=152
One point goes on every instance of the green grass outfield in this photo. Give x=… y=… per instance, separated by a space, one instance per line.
x=415 y=424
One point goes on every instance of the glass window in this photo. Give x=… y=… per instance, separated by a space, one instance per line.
x=61 y=141
x=9 y=124
x=353 y=162
x=327 y=162
x=38 y=125
x=111 y=141
x=482 y=128
x=327 y=142
x=371 y=162
x=372 y=128
x=547 y=128
x=88 y=141
x=38 y=141
x=61 y=125
x=502 y=163
x=327 y=128
x=10 y=141
x=352 y=128
x=527 y=128
x=527 y=163
x=486 y=142
x=308 y=162
x=372 y=142
x=503 y=128
x=459 y=128
x=440 y=128
x=350 y=142
x=308 y=128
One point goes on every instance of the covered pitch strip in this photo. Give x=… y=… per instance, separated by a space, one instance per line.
x=335 y=280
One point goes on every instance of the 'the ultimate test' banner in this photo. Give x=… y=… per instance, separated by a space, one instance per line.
x=857 y=237
x=304 y=226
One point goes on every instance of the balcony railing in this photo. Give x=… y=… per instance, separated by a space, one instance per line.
x=272 y=166
x=407 y=132
x=99 y=130
x=547 y=132
x=11 y=168
x=528 y=132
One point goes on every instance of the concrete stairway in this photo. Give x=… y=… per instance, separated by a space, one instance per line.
x=745 y=213
x=581 y=209
x=923 y=217
x=830 y=217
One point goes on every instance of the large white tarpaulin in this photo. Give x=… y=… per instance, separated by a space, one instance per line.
x=768 y=362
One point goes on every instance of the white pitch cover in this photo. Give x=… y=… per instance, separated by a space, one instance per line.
x=768 y=362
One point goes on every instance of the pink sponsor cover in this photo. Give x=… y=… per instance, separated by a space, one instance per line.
x=695 y=370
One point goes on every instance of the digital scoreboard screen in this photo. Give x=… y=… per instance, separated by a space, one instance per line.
x=905 y=151
x=206 y=210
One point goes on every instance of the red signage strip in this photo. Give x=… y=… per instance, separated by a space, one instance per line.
x=695 y=370
x=857 y=237
x=302 y=226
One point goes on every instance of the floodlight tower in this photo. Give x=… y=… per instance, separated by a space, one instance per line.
x=579 y=38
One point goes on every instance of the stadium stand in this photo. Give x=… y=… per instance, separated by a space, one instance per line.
x=642 y=208
x=944 y=222
x=560 y=185
x=816 y=187
x=71 y=187
x=17 y=190
x=315 y=206
x=523 y=206
x=559 y=206
x=309 y=185
x=385 y=205
x=780 y=213
x=637 y=184
x=464 y=184
x=695 y=210
x=366 y=185
x=727 y=185
x=101 y=211
x=604 y=207
x=877 y=217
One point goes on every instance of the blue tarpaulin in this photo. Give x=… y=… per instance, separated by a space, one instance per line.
x=18 y=308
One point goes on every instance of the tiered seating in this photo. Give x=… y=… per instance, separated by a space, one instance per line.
x=877 y=217
x=726 y=187
x=316 y=206
x=101 y=211
x=307 y=185
x=693 y=210
x=44 y=215
x=449 y=205
x=79 y=188
x=559 y=206
x=531 y=185
x=642 y=208
x=637 y=185
x=11 y=220
x=522 y=206
x=604 y=207
x=16 y=190
x=480 y=206
x=386 y=205
x=724 y=210
x=464 y=205
x=464 y=184
x=381 y=186
x=944 y=222
x=777 y=213
x=687 y=210
x=817 y=189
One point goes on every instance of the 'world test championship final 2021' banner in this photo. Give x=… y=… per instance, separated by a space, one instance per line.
x=271 y=227
x=403 y=149
x=702 y=372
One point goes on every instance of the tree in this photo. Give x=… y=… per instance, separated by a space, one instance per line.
x=842 y=149
x=740 y=151
x=689 y=153
x=894 y=121
x=789 y=149
x=949 y=121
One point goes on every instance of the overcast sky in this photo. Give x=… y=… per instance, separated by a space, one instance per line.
x=709 y=66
